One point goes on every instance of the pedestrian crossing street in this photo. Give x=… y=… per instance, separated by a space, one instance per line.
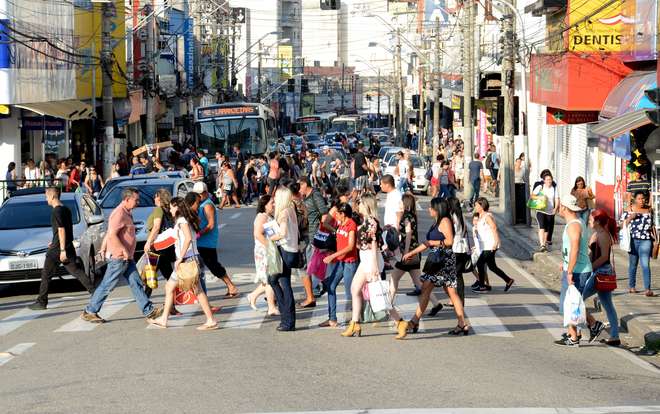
x=484 y=315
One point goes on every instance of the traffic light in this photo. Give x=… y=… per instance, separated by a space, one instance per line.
x=415 y=101
x=304 y=83
x=330 y=4
x=291 y=85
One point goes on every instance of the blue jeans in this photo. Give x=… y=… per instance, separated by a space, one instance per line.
x=476 y=188
x=579 y=280
x=403 y=184
x=336 y=272
x=640 y=251
x=117 y=268
x=281 y=284
x=584 y=216
x=605 y=298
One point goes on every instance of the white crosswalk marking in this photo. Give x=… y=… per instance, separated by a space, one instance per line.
x=406 y=306
x=222 y=225
x=244 y=317
x=20 y=318
x=14 y=351
x=234 y=216
x=548 y=317
x=109 y=308
x=188 y=311
x=483 y=319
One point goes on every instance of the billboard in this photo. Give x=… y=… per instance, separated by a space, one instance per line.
x=597 y=25
x=638 y=38
x=285 y=57
x=87 y=34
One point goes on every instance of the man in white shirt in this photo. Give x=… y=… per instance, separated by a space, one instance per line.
x=393 y=203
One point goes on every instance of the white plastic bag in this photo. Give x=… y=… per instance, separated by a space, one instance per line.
x=575 y=313
x=624 y=238
x=141 y=263
x=379 y=295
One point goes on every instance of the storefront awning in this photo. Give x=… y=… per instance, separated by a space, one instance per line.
x=628 y=95
x=622 y=124
x=71 y=110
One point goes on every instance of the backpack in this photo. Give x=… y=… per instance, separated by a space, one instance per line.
x=489 y=160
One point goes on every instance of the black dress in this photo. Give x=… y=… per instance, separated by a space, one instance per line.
x=414 y=262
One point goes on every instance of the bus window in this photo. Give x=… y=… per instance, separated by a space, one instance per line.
x=212 y=136
x=246 y=133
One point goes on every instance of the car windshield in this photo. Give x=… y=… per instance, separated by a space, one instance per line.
x=27 y=215
x=147 y=192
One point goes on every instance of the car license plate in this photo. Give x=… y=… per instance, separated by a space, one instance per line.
x=23 y=264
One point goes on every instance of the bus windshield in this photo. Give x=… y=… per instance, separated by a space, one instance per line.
x=310 y=127
x=347 y=127
x=220 y=135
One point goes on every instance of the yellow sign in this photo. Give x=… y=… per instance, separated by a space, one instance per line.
x=87 y=32
x=285 y=56
x=4 y=109
x=596 y=30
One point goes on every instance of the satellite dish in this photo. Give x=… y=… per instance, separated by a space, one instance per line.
x=652 y=146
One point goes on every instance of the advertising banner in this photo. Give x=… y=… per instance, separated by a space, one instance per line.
x=599 y=25
x=87 y=33
x=285 y=57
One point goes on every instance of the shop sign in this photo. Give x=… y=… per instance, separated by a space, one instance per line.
x=40 y=123
x=597 y=25
x=556 y=116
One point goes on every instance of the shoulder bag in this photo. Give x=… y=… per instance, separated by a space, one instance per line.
x=187 y=275
x=607 y=282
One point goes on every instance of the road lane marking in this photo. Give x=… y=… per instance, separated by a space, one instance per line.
x=14 y=351
x=548 y=317
x=244 y=317
x=188 y=311
x=407 y=306
x=483 y=320
x=548 y=295
x=222 y=225
x=20 y=318
x=109 y=308
x=508 y=410
x=234 y=216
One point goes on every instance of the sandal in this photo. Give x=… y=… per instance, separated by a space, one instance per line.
x=328 y=324
x=215 y=309
x=232 y=294
x=206 y=327
x=413 y=326
x=156 y=323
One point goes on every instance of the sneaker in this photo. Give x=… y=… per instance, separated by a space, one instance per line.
x=565 y=335
x=480 y=289
x=475 y=285
x=596 y=330
x=508 y=285
x=37 y=306
x=156 y=312
x=415 y=292
x=91 y=317
x=568 y=342
x=616 y=342
x=542 y=249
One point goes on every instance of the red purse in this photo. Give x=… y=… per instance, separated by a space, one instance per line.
x=607 y=282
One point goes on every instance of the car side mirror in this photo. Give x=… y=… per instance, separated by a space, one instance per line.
x=96 y=219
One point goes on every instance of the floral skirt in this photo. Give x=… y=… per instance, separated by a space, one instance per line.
x=446 y=275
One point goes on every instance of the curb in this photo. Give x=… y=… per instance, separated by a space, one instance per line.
x=630 y=321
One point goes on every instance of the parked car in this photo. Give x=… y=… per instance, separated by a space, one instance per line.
x=25 y=232
x=178 y=187
x=420 y=183
x=109 y=185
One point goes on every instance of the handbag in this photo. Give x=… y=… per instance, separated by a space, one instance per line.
x=607 y=282
x=325 y=241
x=273 y=259
x=537 y=202
x=433 y=262
x=379 y=295
x=187 y=275
x=369 y=316
x=624 y=238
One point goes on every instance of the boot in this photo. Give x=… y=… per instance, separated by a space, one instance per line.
x=353 y=329
x=402 y=329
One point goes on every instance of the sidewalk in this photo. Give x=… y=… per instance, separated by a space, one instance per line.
x=638 y=314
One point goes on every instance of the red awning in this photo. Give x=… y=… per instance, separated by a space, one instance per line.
x=574 y=82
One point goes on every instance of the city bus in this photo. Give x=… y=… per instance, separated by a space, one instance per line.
x=347 y=124
x=315 y=124
x=250 y=125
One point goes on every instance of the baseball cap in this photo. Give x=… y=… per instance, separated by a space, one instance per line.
x=200 y=187
x=325 y=147
x=570 y=202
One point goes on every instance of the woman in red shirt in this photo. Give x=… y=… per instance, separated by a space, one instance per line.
x=343 y=263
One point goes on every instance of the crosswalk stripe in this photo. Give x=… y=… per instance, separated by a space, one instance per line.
x=548 y=317
x=222 y=225
x=109 y=308
x=406 y=306
x=20 y=318
x=234 y=216
x=188 y=311
x=244 y=317
x=14 y=351
x=483 y=319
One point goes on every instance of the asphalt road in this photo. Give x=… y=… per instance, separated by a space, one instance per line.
x=51 y=362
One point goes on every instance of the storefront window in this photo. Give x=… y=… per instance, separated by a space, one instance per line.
x=55 y=145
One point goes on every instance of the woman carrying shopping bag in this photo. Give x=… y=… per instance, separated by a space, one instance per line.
x=186 y=267
x=158 y=221
x=371 y=261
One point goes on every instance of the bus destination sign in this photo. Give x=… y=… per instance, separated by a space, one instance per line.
x=226 y=111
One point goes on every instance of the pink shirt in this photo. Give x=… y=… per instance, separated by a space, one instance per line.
x=121 y=221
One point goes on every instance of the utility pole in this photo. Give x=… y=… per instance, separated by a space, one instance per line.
x=106 y=70
x=507 y=184
x=437 y=74
x=378 y=110
x=149 y=51
x=468 y=82
x=399 y=86
x=258 y=75
x=421 y=137
x=343 y=69
x=232 y=81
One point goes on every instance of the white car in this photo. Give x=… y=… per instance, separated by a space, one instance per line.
x=420 y=183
